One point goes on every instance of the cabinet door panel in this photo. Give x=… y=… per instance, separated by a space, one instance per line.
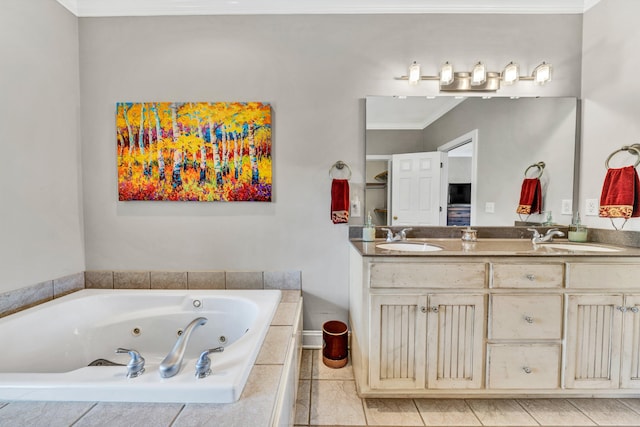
x=398 y=341
x=593 y=341
x=630 y=371
x=455 y=349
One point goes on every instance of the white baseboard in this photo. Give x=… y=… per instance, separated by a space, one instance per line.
x=313 y=339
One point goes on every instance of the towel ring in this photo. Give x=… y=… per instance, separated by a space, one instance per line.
x=339 y=165
x=633 y=149
x=539 y=165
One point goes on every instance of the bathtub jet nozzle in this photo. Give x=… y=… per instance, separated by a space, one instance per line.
x=171 y=364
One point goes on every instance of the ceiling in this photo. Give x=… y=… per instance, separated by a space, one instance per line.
x=97 y=8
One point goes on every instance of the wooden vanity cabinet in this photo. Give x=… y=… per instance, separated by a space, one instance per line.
x=495 y=326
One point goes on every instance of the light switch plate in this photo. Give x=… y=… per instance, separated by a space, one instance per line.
x=489 y=207
x=566 y=207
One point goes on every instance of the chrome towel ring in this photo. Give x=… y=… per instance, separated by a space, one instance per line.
x=633 y=149
x=539 y=165
x=339 y=165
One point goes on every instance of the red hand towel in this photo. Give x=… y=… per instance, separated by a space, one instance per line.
x=530 y=197
x=340 y=201
x=620 y=193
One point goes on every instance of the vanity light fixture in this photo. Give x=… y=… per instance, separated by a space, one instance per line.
x=446 y=74
x=542 y=73
x=414 y=73
x=478 y=79
x=511 y=73
x=478 y=74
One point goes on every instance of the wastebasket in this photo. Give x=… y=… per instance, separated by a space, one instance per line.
x=335 y=340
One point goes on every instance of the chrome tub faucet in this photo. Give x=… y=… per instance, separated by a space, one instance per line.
x=135 y=367
x=171 y=364
x=203 y=365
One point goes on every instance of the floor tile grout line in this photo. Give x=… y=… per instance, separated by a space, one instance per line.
x=473 y=412
x=527 y=412
x=582 y=412
x=364 y=412
x=415 y=404
x=628 y=406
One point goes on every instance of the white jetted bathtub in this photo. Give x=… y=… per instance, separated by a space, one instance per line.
x=47 y=350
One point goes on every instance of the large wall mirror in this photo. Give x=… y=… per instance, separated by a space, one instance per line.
x=487 y=146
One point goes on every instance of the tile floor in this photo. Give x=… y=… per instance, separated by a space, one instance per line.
x=327 y=397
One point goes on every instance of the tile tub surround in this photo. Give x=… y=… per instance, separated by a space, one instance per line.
x=20 y=299
x=254 y=408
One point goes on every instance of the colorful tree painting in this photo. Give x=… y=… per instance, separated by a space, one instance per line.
x=194 y=151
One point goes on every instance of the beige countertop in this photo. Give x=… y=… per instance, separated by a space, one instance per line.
x=497 y=247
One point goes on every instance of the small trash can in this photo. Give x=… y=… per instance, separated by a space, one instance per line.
x=335 y=340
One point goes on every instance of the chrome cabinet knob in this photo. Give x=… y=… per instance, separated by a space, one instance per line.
x=528 y=319
x=531 y=277
x=526 y=369
x=423 y=309
x=634 y=309
x=622 y=308
x=434 y=308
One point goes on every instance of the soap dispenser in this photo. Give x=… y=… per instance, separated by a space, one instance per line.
x=368 y=231
x=577 y=231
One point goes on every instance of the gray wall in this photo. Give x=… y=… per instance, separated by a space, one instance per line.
x=512 y=135
x=40 y=195
x=610 y=87
x=316 y=71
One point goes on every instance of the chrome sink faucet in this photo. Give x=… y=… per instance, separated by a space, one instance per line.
x=402 y=235
x=548 y=237
x=171 y=364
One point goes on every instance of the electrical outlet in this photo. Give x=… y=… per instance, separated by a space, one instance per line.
x=489 y=207
x=591 y=207
x=355 y=208
x=566 y=207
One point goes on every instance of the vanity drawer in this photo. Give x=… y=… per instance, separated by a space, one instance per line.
x=593 y=275
x=528 y=275
x=422 y=275
x=516 y=317
x=530 y=366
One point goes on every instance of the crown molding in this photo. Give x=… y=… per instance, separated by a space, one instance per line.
x=103 y=8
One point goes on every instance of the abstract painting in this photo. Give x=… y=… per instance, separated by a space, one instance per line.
x=194 y=151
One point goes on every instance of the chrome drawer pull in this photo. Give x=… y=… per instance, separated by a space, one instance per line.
x=526 y=369
x=528 y=319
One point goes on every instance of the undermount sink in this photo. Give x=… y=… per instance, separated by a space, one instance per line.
x=578 y=247
x=409 y=247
